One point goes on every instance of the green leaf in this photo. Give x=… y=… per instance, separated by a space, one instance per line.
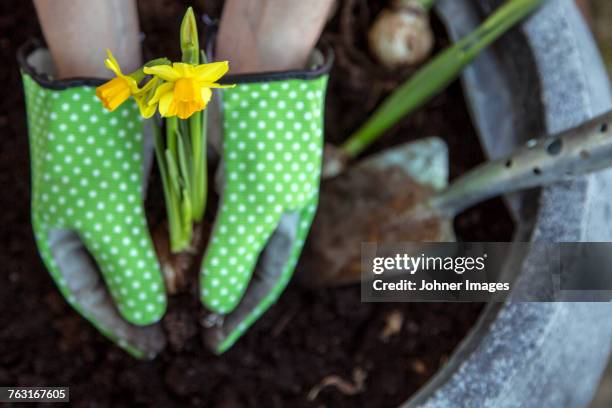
x=184 y=166
x=171 y=134
x=197 y=129
x=437 y=74
x=187 y=216
x=173 y=173
x=177 y=238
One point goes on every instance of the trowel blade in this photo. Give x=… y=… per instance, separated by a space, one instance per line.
x=365 y=203
x=424 y=160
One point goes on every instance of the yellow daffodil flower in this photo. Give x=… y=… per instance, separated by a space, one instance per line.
x=116 y=91
x=186 y=89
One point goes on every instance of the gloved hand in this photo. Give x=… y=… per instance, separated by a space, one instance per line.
x=270 y=172
x=87 y=205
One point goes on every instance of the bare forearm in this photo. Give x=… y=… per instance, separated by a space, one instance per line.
x=79 y=31
x=270 y=35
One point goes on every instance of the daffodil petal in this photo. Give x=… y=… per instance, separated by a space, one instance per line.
x=215 y=85
x=131 y=83
x=206 y=95
x=211 y=72
x=165 y=103
x=165 y=72
x=184 y=70
x=184 y=110
x=111 y=63
x=163 y=89
x=146 y=111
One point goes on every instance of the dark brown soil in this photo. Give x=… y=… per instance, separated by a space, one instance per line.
x=302 y=341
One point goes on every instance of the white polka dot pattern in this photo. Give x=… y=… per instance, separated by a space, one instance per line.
x=87 y=176
x=305 y=220
x=272 y=152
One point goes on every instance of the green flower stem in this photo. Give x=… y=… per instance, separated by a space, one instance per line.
x=197 y=124
x=171 y=199
x=172 y=132
x=437 y=74
x=178 y=209
x=180 y=206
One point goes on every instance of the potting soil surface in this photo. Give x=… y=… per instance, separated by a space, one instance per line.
x=314 y=348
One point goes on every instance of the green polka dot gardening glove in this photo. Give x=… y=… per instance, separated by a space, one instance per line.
x=87 y=207
x=270 y=172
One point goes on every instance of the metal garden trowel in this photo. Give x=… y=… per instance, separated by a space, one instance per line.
x=402 y=195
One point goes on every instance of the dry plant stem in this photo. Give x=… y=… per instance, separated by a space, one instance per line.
x=270 y=35
x=78 y=32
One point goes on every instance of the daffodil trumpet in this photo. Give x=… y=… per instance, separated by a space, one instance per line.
x=116 y=91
